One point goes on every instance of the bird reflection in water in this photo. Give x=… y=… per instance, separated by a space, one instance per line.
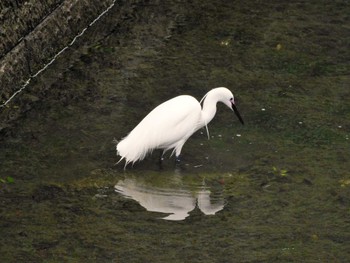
x=174 y=198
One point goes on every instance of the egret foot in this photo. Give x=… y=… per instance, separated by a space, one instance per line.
x=161 y=158
x=177 y=160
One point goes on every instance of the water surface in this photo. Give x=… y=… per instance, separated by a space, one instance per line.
x=274 y=190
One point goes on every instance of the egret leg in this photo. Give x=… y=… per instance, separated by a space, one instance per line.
x=161 y=158
x=178 y=151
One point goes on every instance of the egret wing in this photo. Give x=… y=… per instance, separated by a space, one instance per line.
x=172 y=121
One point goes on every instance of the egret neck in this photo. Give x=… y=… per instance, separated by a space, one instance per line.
x=208 y=110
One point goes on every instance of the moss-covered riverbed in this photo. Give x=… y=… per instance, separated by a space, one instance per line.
x=279 y=185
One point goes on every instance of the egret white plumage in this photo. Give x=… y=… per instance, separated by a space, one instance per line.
x=169 y=125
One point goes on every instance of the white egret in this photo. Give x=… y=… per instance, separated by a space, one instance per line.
x=169 y=125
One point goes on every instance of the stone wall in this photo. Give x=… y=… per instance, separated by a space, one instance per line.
x=19 y=18
x=33 y=31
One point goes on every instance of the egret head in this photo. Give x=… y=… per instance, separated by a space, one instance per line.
x=228 y=99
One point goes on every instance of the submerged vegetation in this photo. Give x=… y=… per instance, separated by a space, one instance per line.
x=5 y=181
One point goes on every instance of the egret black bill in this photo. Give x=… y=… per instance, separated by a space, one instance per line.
x=237 y=113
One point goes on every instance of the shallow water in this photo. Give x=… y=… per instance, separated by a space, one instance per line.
x=274 y=190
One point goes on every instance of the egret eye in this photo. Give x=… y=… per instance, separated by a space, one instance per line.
x=231 y=99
